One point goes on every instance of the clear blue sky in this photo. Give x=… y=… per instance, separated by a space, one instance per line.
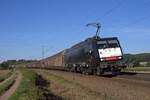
x=26 y=25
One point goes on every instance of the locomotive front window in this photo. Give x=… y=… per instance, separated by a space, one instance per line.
x=107 y=44
x=113 y=43
x=102 y=44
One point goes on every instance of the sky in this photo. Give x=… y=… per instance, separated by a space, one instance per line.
x=27 y=26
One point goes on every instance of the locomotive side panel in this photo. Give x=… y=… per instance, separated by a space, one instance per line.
x=79 y=54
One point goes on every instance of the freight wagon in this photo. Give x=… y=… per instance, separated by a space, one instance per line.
x=54 y=62
x=94 y=55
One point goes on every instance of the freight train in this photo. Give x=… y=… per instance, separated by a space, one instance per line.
x=95 y=55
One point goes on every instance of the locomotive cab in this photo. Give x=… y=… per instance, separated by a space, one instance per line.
x=109 y=49
x=94 y=55
x=108 y=54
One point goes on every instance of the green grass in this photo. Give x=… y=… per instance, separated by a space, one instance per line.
x=3 y=77
x=7 y=84
x=28 y=90
x=137 y=69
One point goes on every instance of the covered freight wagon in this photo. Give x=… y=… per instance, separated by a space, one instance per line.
x=54 y=62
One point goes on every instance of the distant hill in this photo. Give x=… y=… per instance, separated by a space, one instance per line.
x=142 y=59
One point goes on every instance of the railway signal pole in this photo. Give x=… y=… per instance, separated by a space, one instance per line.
x=43 y=51
x=97 y=25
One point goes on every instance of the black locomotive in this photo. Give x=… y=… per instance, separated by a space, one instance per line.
x=94 y=55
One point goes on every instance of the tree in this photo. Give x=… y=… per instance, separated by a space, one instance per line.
x=4 y=65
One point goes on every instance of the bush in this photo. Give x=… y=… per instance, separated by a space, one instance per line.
x=4 y=66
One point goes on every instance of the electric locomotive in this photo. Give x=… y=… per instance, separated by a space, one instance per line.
x=94 y=55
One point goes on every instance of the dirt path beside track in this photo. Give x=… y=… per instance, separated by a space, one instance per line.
x=12 y=89
x=112 y=88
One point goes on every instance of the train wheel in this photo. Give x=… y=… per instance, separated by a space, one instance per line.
x=99 y=71
x=75 y=69
x=94 y=72
x=84 y=71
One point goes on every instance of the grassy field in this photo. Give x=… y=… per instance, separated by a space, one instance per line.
x=5 y=85
x=32 y=87
x=4 y=74
x=70 y=90
x=73 y=86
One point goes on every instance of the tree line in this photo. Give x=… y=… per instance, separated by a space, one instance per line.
x=136 y=60
x=12 y=63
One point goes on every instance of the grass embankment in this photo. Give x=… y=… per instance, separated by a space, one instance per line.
x=68 y=89
x=137 y=69
x=32 y=87
x=5 y=74
x=6 y=84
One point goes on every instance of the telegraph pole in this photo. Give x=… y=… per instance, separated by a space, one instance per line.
x=43 y=51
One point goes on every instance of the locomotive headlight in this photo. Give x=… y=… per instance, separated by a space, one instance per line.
x=102 y=59
x=119 y=57
x=90 y=51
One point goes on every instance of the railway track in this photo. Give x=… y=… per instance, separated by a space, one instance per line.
x=135 y=76
x=123 y=75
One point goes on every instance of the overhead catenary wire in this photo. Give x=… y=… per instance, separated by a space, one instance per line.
x=119 y=4
x=114 y=8
x=138 y=20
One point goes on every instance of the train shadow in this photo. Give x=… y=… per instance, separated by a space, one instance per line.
x=127 y=73
x=109 y=75
x=119 y=74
